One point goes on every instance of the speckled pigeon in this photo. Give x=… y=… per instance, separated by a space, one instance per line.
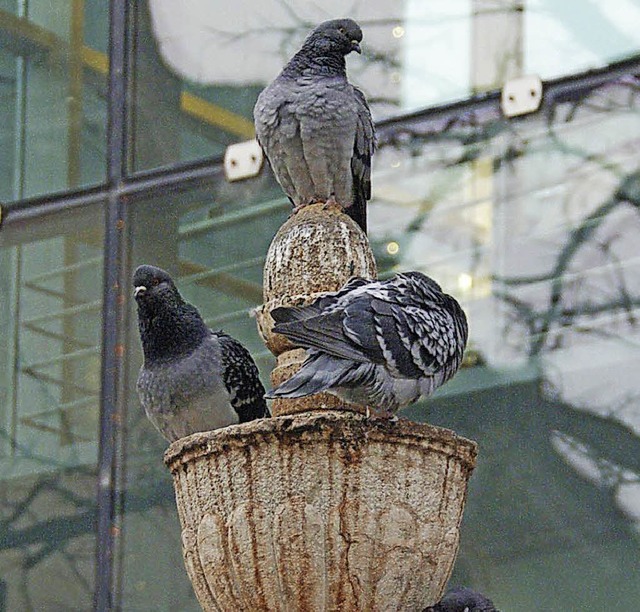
x=192 y=379
x=461 y=599
x=382 y=344
x=315 y=127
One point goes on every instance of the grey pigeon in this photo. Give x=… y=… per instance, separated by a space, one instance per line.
x=461 y=599
x=382 y=344
x=192 y=379
x=316 y=128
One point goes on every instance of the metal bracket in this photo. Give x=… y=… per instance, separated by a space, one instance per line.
x=521 y=96
x=242 y=160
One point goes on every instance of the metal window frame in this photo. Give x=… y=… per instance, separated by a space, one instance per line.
x=121 y=188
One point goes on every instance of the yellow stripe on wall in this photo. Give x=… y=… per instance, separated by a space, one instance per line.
x=98 y=62
x=190 y=104
x=216 y=115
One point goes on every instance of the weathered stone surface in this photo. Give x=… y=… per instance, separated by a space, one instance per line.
x=320 y=511
x=316 y=250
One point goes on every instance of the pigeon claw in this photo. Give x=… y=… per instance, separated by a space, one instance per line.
x=331 y=201
x=298 y=207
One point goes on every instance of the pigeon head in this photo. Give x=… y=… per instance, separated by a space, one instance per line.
x=324 y=50
x=154 y=288
x=461 y=599
x=168 y=325
x=339 y=36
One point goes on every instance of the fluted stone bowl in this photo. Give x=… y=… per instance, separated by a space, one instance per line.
x=320 y=511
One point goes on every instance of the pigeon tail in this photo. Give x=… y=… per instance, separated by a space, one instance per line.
x=318 y=373
x=358 y=210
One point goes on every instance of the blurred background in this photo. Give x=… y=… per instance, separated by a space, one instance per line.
x=114 y=119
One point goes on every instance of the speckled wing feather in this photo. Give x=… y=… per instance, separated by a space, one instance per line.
x=416 y=341
x=241 y=379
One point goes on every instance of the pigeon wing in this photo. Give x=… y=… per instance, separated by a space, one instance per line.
x=324 y=332
x=328 y=302
x=414 y=341
x=363 y=148
x=241 y=379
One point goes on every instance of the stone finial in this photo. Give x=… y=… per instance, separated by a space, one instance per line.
x=317 y=249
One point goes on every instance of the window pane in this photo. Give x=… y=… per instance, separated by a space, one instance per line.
x=50 y=322
x=534 y=224
x=53 y=71
x=213 y=241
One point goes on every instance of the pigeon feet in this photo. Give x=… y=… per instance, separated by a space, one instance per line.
x=298 y=207
x=331 y=201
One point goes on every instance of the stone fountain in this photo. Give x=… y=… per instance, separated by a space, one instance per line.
x=320 y=507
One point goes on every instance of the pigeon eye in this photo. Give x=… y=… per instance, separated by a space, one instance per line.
x=342 y=31
x=155 y=282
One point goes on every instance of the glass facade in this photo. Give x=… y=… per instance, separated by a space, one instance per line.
x=113 y=122
x=51 y=287
x=52 y=96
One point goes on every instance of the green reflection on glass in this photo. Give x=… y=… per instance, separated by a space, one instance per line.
x=50 y=331
x=52 y=88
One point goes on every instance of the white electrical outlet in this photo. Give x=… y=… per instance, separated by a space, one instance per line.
x=242 y=160
x=521 y=96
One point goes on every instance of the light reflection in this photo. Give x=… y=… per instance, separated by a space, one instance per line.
x=465 y=281
x=393 y=248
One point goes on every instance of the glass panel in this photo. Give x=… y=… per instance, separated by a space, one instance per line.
x=571 y=36
x=53 y=71
x=534 y=225
x=213 y=240
x=50 y=324
x=210 y=60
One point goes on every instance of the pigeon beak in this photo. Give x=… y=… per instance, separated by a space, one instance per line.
x=139 y=290
x=355 y=46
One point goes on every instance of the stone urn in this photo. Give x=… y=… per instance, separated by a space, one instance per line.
x=321 y=507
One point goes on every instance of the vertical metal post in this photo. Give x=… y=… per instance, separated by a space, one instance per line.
x=113 y=313
x=496 y=43
x=75 y=89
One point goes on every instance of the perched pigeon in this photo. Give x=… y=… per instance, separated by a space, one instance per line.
x=382 y=344
x=316 y=128
x=461 y=599
x=192 y=379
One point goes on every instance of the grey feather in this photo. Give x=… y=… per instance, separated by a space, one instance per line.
x=192 y=379
x=461 y=599
x=316 y=128
x=379 y=343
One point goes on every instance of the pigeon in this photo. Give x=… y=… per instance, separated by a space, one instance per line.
x=192 y=379
x=461 y=599
x=382 y=344
x=315 y=128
